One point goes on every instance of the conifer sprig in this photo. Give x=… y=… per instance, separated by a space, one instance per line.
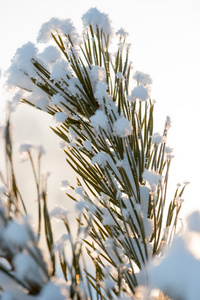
x=122 y=166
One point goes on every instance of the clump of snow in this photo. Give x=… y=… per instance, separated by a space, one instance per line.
x=95 y=18
x=55 y=289
x=16 y=78
x=13 y=292
x=64 y=185
x=168 y=122
x=27 y=148
x=107 y=218
x=139 y=92
x=59 y=213
x=186 y=182
x=39 y=149
x=50 y=54
x=157 y=138
x=87 y=145
x=27 y=268
x=98 y=73
x=193 y=221
x=101 y=92
x=57 y=99
x=23 y=58
x=178 y=201
x=99 y=119
x=42 y=103
x=105 y=198
x=58 y=26
x=61 y=69
x=144 y=198
x=61 y=242
x=7 y=295
x=81 y=205
x=38 y=97
x=169 y=152
x=83 y=201
x=120 y=76
x=122 y=127
x=177 y=274
x=72 y=135
x=72 y=89
x=17 y=233
x=122 y=33
x=108 y=283
x=100 y=158
x=142 y=78
x=61 y=144
x=74 y=52
x=22 y=69
x=154 y=179
x=80 y=191
x=60 y=117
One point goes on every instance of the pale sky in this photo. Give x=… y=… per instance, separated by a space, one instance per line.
x=165 y=37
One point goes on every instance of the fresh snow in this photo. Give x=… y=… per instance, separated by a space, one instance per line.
x=142 y=78
x=177 y=274
x=27 y=269
x=99 y=120
x=60 y=117
x=57 y=26
x=16 y=233
x=96 y=18
x=157 y=138
x=50 y=54
x=154 y=179
x=56 y=289
x=59 y=213
x=122 y=127
x=122 y=33
x=140 y=92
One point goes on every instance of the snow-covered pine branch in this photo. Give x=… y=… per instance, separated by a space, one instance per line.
x=104 y=116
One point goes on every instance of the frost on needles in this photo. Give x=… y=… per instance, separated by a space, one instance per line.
x=104 y=116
